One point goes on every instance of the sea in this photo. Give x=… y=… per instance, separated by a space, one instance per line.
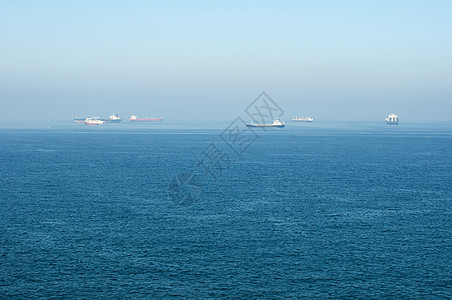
x=176 y=210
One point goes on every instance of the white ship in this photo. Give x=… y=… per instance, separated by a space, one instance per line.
x=113 y=118
x=303 y=119
x=276 y=123
x=392 y=119
x=134 y=118
x=93 y=121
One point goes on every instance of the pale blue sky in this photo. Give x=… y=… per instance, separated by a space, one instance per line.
x=358 y=60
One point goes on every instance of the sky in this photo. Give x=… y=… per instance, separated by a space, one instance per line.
x=207 y=60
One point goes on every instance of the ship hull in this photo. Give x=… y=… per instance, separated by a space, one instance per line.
x=265 y=126
x=146 y=120
x=110 y=121
x=302 y=121
x=392 y=123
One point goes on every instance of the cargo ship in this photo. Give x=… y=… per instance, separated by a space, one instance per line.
x=276 y=123
x=113 y=118
x=304 y=119
x=392 y=119
x=93 y=121
x=134 y=118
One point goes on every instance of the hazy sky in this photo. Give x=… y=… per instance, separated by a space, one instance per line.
x=334 y=60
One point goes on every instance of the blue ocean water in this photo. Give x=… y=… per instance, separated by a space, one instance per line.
x=321 y=210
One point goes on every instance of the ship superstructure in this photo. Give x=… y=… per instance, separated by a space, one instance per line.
x=392 y=119
x=93 y=121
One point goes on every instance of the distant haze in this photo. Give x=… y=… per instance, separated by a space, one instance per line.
x=334 y=60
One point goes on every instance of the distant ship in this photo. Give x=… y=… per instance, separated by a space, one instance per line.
x=113 y=118
x=136 y=119
x=93 y=121
x=392 y=119
x=82 y=120
x=305 y=119
x=79 y=120
x=276 y=123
